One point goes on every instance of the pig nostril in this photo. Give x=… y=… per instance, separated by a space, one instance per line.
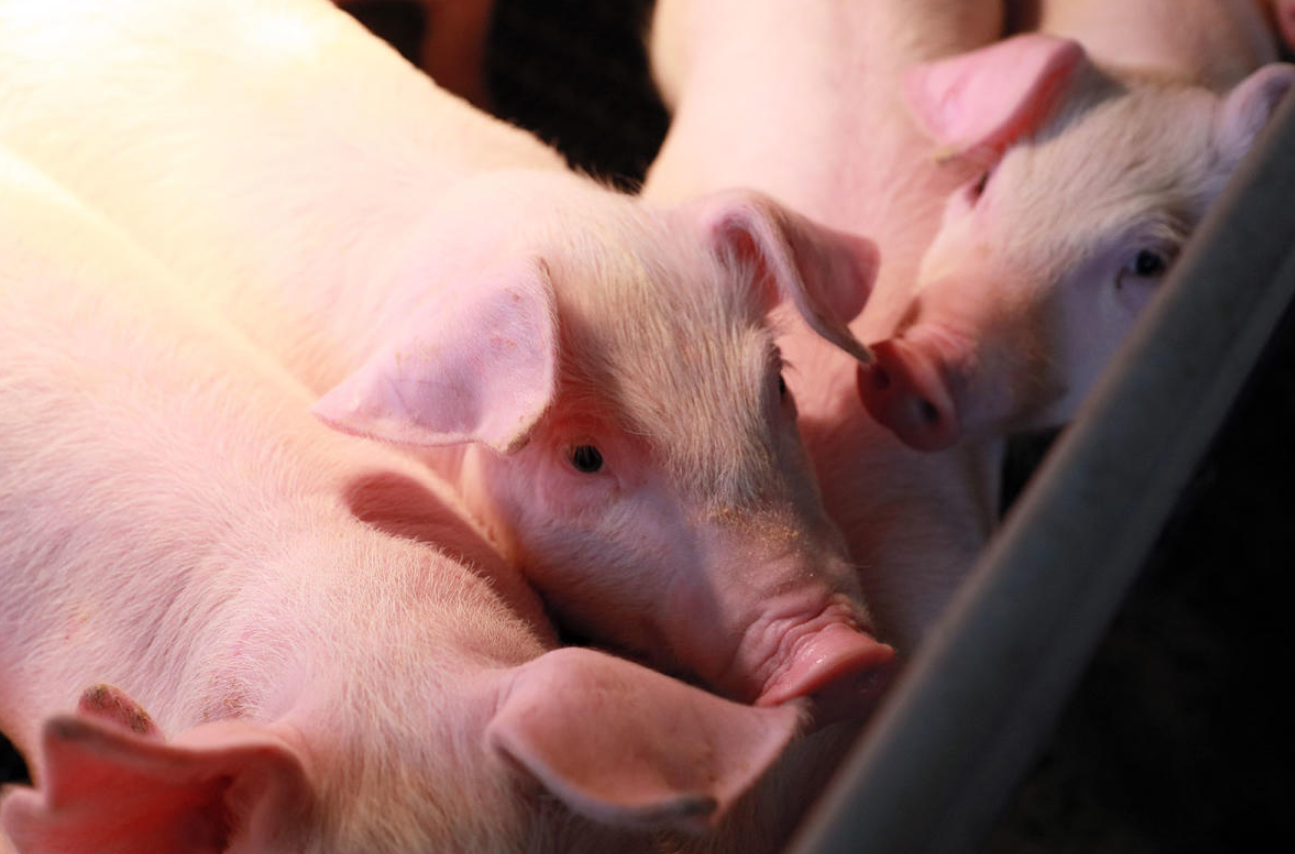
x=880 y=378
x=930 y=415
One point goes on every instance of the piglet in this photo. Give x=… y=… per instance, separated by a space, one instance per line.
x=1099 y=140
x=595 y=377
x=205 y=648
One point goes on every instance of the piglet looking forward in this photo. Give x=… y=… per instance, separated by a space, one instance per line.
x=203 y=648
x=595 y=377
x=1101 y=140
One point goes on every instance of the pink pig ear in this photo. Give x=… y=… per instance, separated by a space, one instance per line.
x=982 y=101
x=475 y=365
x=1248 y=107
x=111 y=791
x=827 y=274
x=626 y=745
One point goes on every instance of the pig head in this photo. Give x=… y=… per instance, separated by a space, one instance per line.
x=1090 y=183
x=618 y=421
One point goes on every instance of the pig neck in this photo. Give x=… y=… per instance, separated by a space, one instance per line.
x=1210 y=43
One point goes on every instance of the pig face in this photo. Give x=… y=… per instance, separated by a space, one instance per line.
x=633 y=446
x=1045 y=260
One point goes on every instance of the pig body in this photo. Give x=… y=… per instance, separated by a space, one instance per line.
x=260 y=666
x=595 y=377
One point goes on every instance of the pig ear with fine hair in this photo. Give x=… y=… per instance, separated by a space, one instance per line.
x=108 y=788
x=980 y=102
x=625 y=745
x=475 y=365
x=826 y=274
x=1249 y=106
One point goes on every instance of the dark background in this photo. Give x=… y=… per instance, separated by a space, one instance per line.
x=1176 y=738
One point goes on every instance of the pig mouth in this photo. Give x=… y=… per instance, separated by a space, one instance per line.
x=830 y=662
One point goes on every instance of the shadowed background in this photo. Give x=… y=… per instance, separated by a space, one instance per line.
x=1175 y=740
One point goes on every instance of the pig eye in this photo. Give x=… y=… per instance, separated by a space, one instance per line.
x=586 y=458
x=978 y=189
x=782 y=388
x=1147 y=264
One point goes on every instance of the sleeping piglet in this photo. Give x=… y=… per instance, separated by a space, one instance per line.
x=594 y=376
x=204 y=648
x=1101 y=138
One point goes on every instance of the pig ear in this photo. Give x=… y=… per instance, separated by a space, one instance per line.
x=626 y=745
x=1248 y=107
x=982 y=101
x=475 y=365
x=826 y=274
x=112 y=791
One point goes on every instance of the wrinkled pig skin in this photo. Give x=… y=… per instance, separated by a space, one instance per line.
x=810 y=102
x=620 y=432
x=205 y=648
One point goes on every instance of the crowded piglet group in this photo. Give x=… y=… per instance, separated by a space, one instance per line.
x=594 y=376
x=355 y=399
x=203 y=648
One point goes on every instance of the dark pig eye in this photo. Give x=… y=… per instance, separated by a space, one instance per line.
x=586 y=458
x=782 y=388
x=1149 y=263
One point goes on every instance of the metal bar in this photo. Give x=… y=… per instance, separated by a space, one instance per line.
x=944 y=752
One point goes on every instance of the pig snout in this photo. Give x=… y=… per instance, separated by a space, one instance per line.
x=904 y=389
x=807 y=642
x=830 y=661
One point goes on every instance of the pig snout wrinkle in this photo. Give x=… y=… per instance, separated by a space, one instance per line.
x=828 y=661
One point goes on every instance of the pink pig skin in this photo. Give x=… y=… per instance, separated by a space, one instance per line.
x=213 y=639
x=363 y=225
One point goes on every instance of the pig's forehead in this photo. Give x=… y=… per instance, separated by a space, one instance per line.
x=1145 y=156
x=671 y=340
